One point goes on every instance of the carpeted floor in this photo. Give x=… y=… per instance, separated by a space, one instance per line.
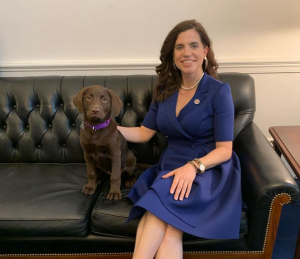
x=287 y=231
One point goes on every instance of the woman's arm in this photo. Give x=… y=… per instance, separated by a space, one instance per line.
x=220 y=154
x=137 y=134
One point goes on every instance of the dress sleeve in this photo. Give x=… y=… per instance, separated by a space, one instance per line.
x=150 y=120
x=223 y=114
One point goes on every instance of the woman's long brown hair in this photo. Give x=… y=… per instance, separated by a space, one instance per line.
x=169 y=77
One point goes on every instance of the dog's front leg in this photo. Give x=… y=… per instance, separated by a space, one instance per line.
x=115 y=178
x=91 y=186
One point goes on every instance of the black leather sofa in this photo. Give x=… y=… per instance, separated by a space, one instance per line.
x=43 y=212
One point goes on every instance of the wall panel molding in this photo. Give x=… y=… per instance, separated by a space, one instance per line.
x=141 y=66
x=260 y=67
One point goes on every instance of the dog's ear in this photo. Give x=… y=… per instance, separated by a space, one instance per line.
x=116 y=104
x=77 y=100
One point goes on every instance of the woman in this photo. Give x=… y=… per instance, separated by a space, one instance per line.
x=195 y=187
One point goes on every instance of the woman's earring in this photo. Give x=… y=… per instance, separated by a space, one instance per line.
x=206 y=62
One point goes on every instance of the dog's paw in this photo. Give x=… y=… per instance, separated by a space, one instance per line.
x=87 y=189
x=114 y=196
x=130 y=182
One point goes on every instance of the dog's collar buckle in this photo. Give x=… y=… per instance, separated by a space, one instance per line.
x=95 y=127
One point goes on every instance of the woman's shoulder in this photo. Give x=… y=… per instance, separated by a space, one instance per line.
x=214 y=81
x=215 y=85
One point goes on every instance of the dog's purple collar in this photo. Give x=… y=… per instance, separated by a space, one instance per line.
x=95 y=127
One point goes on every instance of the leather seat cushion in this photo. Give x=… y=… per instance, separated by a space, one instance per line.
x=44 y=200
x=109 y=217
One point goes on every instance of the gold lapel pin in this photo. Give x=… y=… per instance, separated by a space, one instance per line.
x=196 y=101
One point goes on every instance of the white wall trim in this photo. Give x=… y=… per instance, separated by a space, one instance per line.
x=243 y=66
x=78 y=66
x=260 y=67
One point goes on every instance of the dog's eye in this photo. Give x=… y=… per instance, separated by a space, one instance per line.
x=89 y=98
x=104 y=100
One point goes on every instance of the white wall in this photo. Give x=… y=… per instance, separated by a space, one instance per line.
x=277 y=100
x=93 y=37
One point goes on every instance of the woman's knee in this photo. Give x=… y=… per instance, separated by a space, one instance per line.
x=172 y=235
x=153 y=218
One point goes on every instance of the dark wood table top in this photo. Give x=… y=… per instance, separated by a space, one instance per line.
x=287 y=139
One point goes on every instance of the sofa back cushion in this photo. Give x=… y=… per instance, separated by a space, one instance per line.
x=40 y=124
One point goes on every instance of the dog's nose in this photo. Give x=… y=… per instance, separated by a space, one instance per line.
x=95 y=110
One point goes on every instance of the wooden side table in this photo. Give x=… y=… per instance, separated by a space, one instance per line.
x=287 y=143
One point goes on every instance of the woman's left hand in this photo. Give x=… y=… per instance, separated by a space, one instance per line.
x=183 y=180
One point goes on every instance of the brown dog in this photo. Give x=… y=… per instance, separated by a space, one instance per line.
x=103 y=145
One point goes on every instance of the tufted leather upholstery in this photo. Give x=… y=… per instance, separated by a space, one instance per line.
x=42 y=168
x=39 y=123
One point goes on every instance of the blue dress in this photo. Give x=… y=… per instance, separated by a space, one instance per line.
x=213 y=209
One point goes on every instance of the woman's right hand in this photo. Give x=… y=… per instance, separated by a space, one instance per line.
x=137 y=134
x=183 y=179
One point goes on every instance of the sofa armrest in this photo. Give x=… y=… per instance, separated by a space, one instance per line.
x=264 y=178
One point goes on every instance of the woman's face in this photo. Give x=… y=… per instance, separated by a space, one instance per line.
x=189 y=53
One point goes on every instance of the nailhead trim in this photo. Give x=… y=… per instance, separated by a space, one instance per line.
x=270 y=213
x=188 y=252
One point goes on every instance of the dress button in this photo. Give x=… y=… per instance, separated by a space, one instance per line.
x=27 y=126
x=39 y=146
x=64 y=145
x=4 y=127
x=128 y=104
x=15 y=106
x=73 y=124
x=61 y=105
x=50 y=126
x=170 y=146
x=38 y=106
x=193 y=147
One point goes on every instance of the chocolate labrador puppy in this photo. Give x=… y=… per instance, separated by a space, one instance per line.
x=103 y=145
